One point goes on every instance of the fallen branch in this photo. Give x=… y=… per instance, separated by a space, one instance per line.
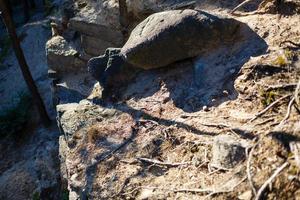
x=297 y=94
x=220 y=125
x=132 y=162
x=269 y=107
x=288 y=111
x=223 y=191
x=264 y=122
x=148 y=120
x=282 y=86
x=295 y=149
x=157 y=162
x=183 y=5
x=249 y=169
x=239 y=6
x=211 y=191
x=291 y=42
x=205 y=190
x=184 y=116
x=269 y=181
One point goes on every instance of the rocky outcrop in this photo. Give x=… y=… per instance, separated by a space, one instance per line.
x=98 y=25
x=62 y=56
x=140 y=9
x=166 y=37
x=166 y=127
x=95 y=46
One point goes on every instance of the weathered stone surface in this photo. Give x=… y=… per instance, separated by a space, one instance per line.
x=227 y=151
x=72 y=88
x=143 y=8
x=74 y=119
x=102 y=32
x=74 y=116
x=95 y=46
x=169 y=36
x=61 y=56
x=110 y=69
x=140 y=8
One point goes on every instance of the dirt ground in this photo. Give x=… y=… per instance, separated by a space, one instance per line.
x=159 y=145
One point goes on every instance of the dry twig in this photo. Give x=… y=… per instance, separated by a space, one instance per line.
x=269 y=181
x=297 y=94
x=211 y=191
x=249 y=169
x=265 y=122
x=282 y=86
x=291 y=42
x=157 y=162
x=239 y=6
x=288 y=111
x=220 y=125
x=220 y=191
x=269 y=107
x=295 y=148
x=205 y=190
x=148 y=120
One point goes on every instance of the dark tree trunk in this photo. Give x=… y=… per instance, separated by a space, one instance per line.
x=23 y=65
x=32 y=4
x=123 y=17
x=8 y=5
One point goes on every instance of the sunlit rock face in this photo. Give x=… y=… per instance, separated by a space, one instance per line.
x=62 y=56
x=166 y=37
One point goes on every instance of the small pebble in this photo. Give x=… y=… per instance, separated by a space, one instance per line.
x=205 y=108
x=226 y=92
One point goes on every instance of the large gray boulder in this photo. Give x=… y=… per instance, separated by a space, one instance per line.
x=166 y=37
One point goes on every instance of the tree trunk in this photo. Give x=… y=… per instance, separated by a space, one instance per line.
x=8 y=5
x=23 y=65
x=123 y=17
x=32 y=4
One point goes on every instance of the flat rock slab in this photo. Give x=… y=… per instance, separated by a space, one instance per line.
x=166 y=37
x=103 y=32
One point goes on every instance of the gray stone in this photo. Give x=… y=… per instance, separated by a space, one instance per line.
x=75 y=116
x=95 y=46
x=143 y=8
x=166 y=37
x=62 y=56
x=103 y=32
x=110 y=69
x=246 y=195
x=227 y=151
x=72 y=88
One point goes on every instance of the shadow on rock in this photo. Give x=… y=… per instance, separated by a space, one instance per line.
x=204 y=81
